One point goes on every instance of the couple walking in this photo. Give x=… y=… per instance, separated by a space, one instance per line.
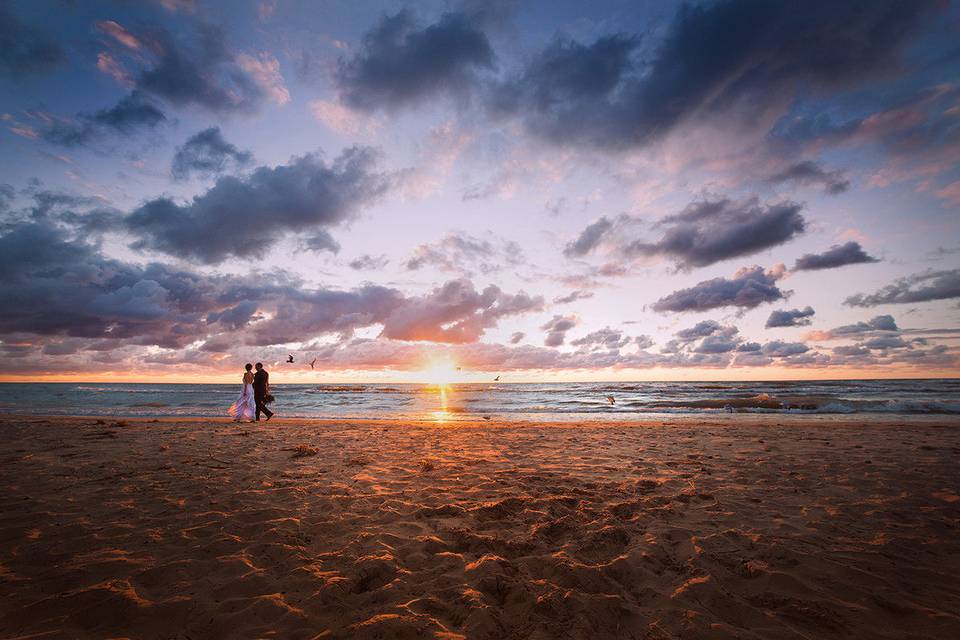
x=254 y=396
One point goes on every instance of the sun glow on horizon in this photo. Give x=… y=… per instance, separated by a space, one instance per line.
x=441 y=372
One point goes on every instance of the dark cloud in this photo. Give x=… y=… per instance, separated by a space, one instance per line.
x=884 y=342
x=206 y=153
x=589 y=238
x=129 y=116
x=556 y=328
x=66 y=287
x=748 y=55
x=401 y=62
x=245 y=216
x=573 y=296
x=700 y=330
x=934 y=285
x=710 y=336
x=319 y=241
x=713 y=230
x=198 y=70
x=810 y=173
x=749 y=287
x=565 y=81
x=878 y=323
x=517 y=336
x=790 y=318
x=26 y=49
x=836 y=256
x=7 y=195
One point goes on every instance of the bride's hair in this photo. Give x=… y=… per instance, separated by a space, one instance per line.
x=248 y=366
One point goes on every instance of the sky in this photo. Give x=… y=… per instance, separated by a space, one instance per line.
x=613 y=190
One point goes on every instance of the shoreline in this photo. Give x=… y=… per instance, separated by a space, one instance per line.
x=763 y=419
x=772 y=527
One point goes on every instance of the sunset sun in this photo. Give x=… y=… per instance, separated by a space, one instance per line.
x=440 y=372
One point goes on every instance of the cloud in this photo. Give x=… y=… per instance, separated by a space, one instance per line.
x=736 y=55
x=701 y=330
x=341 y=119
x=68 y=288
x=749 y=288
x=936 y=285
x=836 y=256
x=564 y=82
x=517 y=336
x=790 y=318
x=245 y=216
x=265 y=71
x=107 y=64
x=714 y=230
x=462 y=252
x=368 y=263
x=951 y=192
x=133 y=113
x=202 y=72
x=557 y=328
x=400 y=62
x=206 y=153
x=807 y=172
x=455 y=312
x=7 y=195
x=25 y=49
x=605 y=338
x=573 y=296
x=119 y=33
x=589 y=238
x=710 y=336
x=878 y=324
x=780 y=349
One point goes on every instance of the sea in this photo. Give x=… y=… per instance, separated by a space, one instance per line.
x=526 y=401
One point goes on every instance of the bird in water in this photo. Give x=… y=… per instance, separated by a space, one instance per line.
x=289 y=359
x=313 y=362
x=611 y=400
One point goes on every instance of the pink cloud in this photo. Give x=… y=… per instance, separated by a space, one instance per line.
x=118 y=33
x=265 y=71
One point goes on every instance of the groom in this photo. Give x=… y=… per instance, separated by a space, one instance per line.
x=261 y=387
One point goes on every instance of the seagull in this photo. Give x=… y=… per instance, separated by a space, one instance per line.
x=611 y=400
x=289 y=359
x=497 y=379
x=313 y=362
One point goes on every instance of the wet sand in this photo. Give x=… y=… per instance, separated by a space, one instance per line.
x=734 y=527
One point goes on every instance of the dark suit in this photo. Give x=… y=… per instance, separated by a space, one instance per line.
x=261 y=386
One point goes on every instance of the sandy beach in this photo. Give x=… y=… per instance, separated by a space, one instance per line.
x=735 y=527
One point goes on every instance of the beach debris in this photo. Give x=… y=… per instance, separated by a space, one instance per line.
x=426 y=465
x=486 y=417
x=289 y=359
x=313 y=363
x=358 y=461
x=303 y=451
x=611 y=400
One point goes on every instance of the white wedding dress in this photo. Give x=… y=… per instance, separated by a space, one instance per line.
x=243 y=410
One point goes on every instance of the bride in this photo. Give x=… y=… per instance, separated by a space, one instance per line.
x=243 y=409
